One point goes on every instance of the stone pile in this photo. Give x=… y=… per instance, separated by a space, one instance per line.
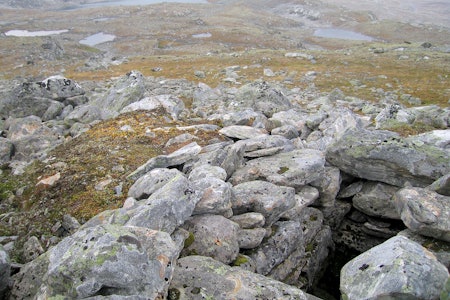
x=259 y=215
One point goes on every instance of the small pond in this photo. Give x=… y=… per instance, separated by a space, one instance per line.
x=27 y=33
x=335 y=33
x=131 y=3
x=97 y=38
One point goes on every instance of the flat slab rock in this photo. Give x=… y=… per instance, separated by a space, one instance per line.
x=384 y=156
x=199 y=277
x=294 y=169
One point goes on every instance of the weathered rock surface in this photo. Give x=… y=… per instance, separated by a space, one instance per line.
x=424 y=212
x=39 y=98
x=398 y=268
x=102 y=260
x=215 y=196
x=5 y=271
x=149 y=183
x=213 y=236
x=375 y=199
x=386 y=157
x=176 y=158
x=167 y=208
x=263 y=197
x=294 y=169
x=197 y=277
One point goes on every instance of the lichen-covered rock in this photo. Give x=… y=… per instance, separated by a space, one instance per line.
x=171 y=104
x=198 y=277
x=151 y=182
x=398 y=268
x=328 y=186
x=213 y=236
x=266 y=145
x=441 y=186
x=294 y=169
x=207 y=170
x=384 y=156
x=304 y=198
x=263 y=197
x=167 y=208
x=128 y=89
x=287 y=131
x=108 y=260
x=287 y=236
x=375 y=199
x=215 y=197
x=251 y=238
x=6 y=150
x=249 y=220
x=5 y=271
x=32 y=248
x=175 y=158
x=242 y=132
x=424 y=212
x=36 y=98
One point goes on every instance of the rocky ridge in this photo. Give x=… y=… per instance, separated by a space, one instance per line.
x=254 y=214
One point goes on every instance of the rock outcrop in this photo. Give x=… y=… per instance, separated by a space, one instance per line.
x=255 y=213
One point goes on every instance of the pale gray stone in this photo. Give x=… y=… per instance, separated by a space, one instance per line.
x=295 y=169
x=265 y=145
x=424 y=212
x=151 y=182
x=6 y=150
x=198 y=277
x=398 y=268
x=441 y=186
x=5 y=271
x=167 y=208
x=287 y=236
x=328 y=186
x=32 y=249
x=375 y=199
x=214 y=236
x=176 y=158
x=242 y=132
x=287 y=131
x=251 y=238
x=249 y=220
x=304 y=198
x=384 y=156
x=207 y=170
x=263 y=197
x=215 y=196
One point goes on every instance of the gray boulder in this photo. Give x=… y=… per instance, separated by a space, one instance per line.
x=35 y=98
x=171 y=104
x=375 y=199
x=151 y=182
x=5 y=271
x=262 y=97
x=251 y=238
x=441 y=186
x=424 y=212
x=398 y=268
x=176 y=158
x=265 y=145
x=384 y=156
x=263 y=197
x=287 y=131
x=204 y=171
x=128 y=89
x=84 y=114
x=6 y=150
x=328 y=186
x=167 y=208
x=213 y=236
x=198 y=277
x=215 y=196
x=294 y=169
x=242 y=132
x=249 y=220
x=286 y=237
x=105 y=260
x=31 y=137
x=304 y=198
x=438 y=138
x=32 y=248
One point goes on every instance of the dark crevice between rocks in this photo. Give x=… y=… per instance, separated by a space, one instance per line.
x=327 y=287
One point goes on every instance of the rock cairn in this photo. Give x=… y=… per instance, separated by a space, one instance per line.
x=257 y=216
